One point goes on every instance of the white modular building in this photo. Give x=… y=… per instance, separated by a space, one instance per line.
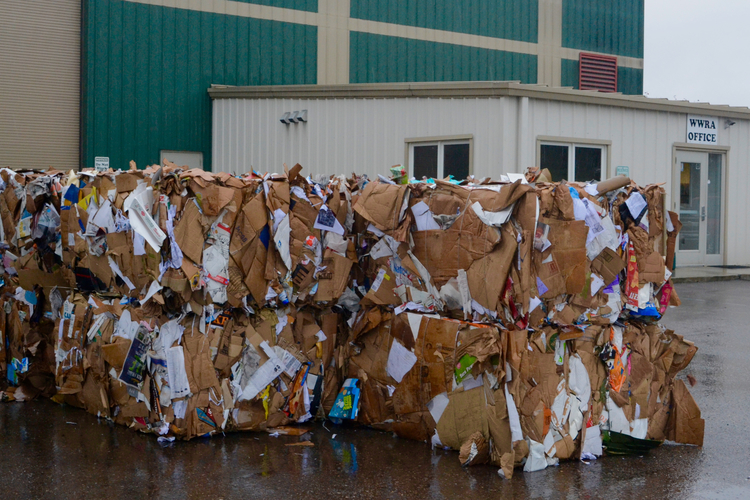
x=700 y=152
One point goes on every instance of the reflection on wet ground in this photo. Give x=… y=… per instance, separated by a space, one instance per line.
x=49 y=451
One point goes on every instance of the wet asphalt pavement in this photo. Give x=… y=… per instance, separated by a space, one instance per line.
x=49 y=451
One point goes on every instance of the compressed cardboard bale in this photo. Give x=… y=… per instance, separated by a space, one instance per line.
x=569 y=252
x=324 y=312
x=189 y=233
x=381 y=204
x=464 y=415
x=332 y=280
x=496 y=264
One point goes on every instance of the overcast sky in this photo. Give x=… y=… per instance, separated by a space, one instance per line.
x=698 y=50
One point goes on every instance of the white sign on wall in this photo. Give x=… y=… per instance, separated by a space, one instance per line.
x=101 y=163
x=702 y=130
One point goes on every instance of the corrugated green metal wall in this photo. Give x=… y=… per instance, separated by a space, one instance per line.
x=629 y=80
x=147 y=69
x=308 y=5
x=609 y=26
x=569 y=73
x=378 y=58
x=511 y=19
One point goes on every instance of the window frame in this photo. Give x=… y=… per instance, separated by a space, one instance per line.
x=572 y=143
x=165 y=154
x=440 y=142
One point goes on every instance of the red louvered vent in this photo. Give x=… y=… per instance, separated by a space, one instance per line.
x=597 y=72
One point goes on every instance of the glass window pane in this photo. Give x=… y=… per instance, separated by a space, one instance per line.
x=456 y=161
x=588 y=164
x=713 y=215
x=690 y=200
x=425 y=161
x=555 y=159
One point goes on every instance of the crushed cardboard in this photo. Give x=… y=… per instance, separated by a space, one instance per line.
x=201 y=303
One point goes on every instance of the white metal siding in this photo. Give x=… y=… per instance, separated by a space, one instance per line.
x=39 y=83
x=367 y=136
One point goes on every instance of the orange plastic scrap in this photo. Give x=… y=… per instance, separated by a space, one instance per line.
x=617 y=373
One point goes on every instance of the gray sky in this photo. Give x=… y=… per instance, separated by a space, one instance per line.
x=698 y=50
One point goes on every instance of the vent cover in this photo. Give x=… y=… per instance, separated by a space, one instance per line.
x=597 y=72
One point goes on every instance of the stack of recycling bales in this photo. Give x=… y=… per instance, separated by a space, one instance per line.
x=511 y=321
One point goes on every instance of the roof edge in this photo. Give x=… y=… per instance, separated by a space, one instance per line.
x=459 y=90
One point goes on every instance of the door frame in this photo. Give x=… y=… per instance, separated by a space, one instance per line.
x=673 y=197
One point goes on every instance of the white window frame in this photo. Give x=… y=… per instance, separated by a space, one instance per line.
x=572 y=143
x=440 y=142
x=174 y=156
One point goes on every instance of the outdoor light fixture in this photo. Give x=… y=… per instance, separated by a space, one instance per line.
x=728 y=123
x=294 y=117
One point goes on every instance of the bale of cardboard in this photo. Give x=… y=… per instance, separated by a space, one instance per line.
x=512 y=321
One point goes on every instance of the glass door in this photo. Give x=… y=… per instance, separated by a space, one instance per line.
x=697 y=198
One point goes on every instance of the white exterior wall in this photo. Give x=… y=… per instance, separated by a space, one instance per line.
x=367 y=136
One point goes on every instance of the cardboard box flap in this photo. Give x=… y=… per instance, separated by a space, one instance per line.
x=381 y=203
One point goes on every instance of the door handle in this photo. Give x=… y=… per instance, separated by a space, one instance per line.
x=703 y=213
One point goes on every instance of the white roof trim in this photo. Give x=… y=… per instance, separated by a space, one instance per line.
x=469 y=90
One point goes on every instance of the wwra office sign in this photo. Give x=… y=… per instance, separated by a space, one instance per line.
x=702 y=130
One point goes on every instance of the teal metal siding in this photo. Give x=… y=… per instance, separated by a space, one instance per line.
x=630 y=81
x=147 y=68
x=307 y=5
x=569 y=73
x=380 y=59
x=611 y=26
x=510 y=19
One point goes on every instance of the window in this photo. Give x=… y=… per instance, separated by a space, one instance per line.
x=190 y=159
x=439 y=157
x=577 y=162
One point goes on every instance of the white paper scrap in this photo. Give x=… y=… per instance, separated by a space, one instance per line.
x=592 y=189
x=385 y=247
x=155 y=287
x=423 y=217
x=592 y=442
x=400 y=361
x=378 y=280
x=496 y=219
x=139 y=244
x=470 y=382
x=536 y=460
x=437 y=406
x=415 y=321
x=326 y=221
x=636 y=203
x=596 y=283
x=516 y=432
x=534 y=302
x=463 y=287
x=281 y=241
x=375 y=231
x=98 y=322
x=116 y=269
x=104 y=219
x=179 y=408
x=170 y=332
x=136 y=205
x=178 y=381
x=513 y=177
x=290 y=363
x=264 y=375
